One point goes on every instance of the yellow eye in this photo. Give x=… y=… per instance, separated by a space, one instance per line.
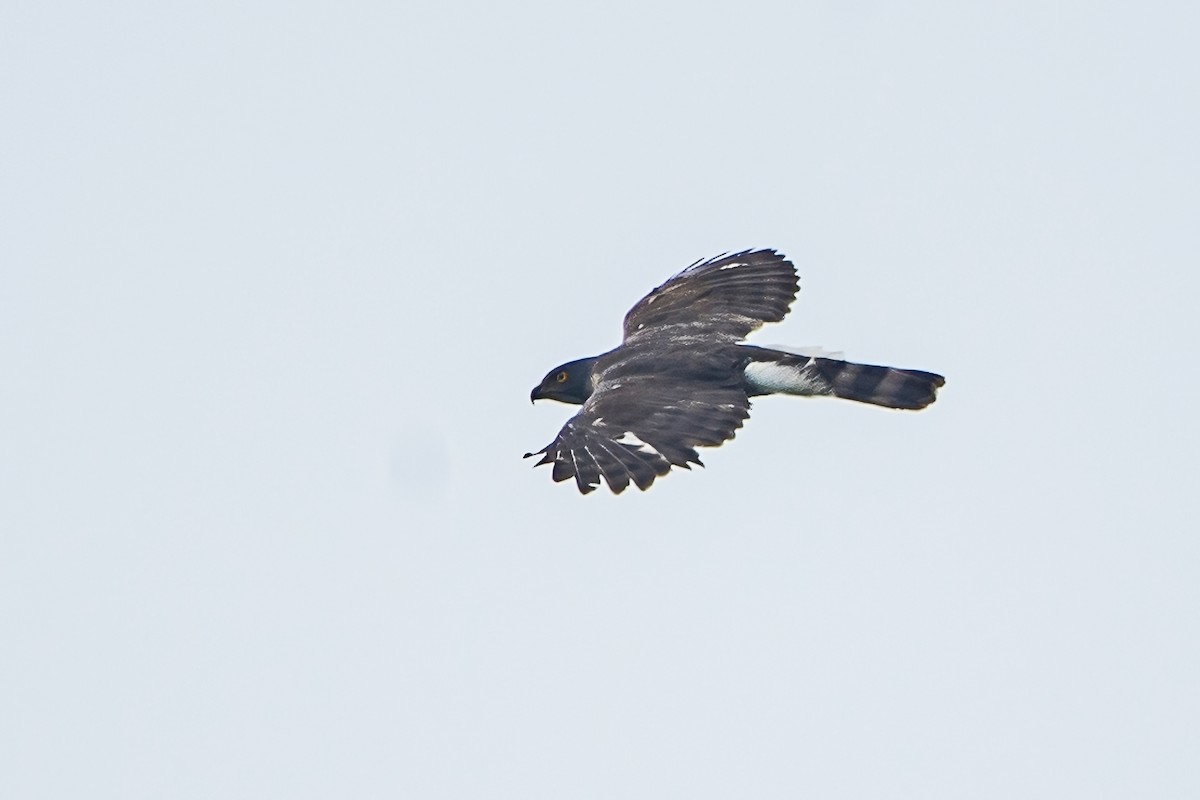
x=561 y=377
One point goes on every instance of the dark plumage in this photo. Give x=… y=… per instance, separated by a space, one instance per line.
x=682 y=380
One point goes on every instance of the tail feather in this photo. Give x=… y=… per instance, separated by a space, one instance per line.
x=881 y=386
x=772 y=371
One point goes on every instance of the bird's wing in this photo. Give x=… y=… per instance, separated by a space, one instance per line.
x=723 y=298
x=637 y=427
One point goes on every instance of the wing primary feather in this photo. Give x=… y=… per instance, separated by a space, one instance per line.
x=587 y=472
x=615 y=473
x=563 y=469
x=642 y=466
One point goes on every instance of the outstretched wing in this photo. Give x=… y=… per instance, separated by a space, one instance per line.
x=634 y=429
x=722 y=299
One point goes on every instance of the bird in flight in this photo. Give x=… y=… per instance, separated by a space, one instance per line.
x=682 y=378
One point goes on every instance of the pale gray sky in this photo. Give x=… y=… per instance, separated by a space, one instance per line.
x=277 y=281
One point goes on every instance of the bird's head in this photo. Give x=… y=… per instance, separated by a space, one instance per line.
x=567 y=383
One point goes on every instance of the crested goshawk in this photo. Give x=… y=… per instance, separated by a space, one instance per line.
x=682 y=379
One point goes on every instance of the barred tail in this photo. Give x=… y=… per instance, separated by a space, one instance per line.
x=880 y=386
x=777 y=372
